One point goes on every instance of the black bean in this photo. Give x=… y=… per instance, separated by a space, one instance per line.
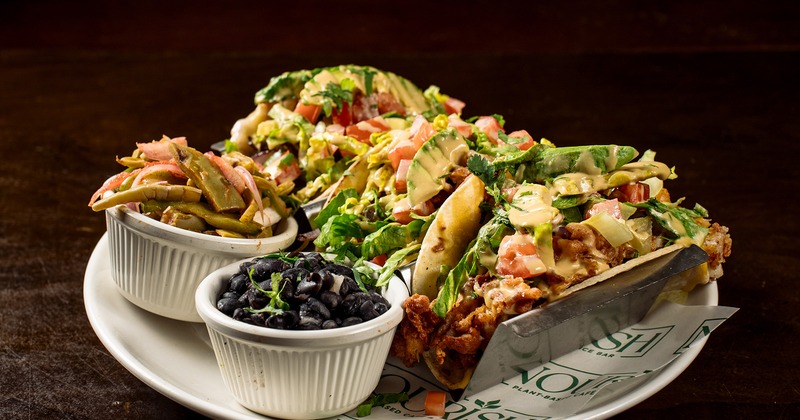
x=310 y=285
x=340 y=269
x=353 y=320
x=376 y=297
x=329 y=324
x=348 y=286
x=264 y=268
x=330 y=299
x=227 y=305
x=256 y=299
x=318 y=307
x=258 y=318
x=326 y=278
x=295 y=274
x=238 y=314
x=311 y=262
x=244 y=268
x=309 y=323
x=367 y=311
x=239 y=283
x=351 y=304
x=231 y=295
x=287 y=290
x=381 y=307
x=283 y=321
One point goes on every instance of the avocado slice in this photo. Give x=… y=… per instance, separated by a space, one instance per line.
x=328 y=86
x=592 y=160
x=433 y=162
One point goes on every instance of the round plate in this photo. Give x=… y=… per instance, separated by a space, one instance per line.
x=175 y=358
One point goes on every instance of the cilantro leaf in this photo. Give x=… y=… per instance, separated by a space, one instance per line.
x=377 y=400
x=335 y=95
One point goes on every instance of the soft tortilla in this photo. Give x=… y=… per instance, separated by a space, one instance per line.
x=451 y=231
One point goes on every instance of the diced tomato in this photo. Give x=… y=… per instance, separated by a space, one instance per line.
x=364 y=107
x=405 y=149
x=364 y=129
x=402 y=210
x=435 y=403
x=632 y=193
x=522 y=140
x=400 y=179
x=282 y=167
x=463 y=128
x=608 y=206
x=490 y=126
x=379 y=259
x=344 y=116
x=453 y=105
x=421 y=130
x=517 y=257
x=388 y=103
x=309 y=112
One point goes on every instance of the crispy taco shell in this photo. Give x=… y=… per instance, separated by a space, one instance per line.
x=455 y=373
x=451 y=373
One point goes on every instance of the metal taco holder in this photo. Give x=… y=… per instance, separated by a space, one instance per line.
x=562 y=326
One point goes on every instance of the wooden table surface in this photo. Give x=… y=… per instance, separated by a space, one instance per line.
x=713 y=87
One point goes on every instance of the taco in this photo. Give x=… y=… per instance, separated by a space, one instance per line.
x=560 y=219
x=398 y=193
x=309 y=126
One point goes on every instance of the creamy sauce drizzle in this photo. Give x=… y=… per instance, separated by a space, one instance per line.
x=532 y=206
x=584 y=183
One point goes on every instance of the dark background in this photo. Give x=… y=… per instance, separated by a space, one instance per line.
x=712 y=86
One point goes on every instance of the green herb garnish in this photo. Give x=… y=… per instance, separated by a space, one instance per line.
x=377 y=400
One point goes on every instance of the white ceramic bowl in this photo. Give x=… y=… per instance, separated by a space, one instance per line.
x=298 y=374
x=157 y=266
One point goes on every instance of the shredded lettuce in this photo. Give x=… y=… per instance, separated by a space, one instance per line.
x=678 y=221
x=332 y=208
x=486 y=243
x=393 y=263
x=389 y=237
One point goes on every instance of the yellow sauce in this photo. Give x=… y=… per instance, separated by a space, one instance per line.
x=532 y=206
x=585 y=183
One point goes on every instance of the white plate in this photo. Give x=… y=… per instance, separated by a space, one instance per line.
x=175 y=358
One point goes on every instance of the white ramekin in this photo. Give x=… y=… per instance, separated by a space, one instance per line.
x=298 y=374
x=157 y=266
